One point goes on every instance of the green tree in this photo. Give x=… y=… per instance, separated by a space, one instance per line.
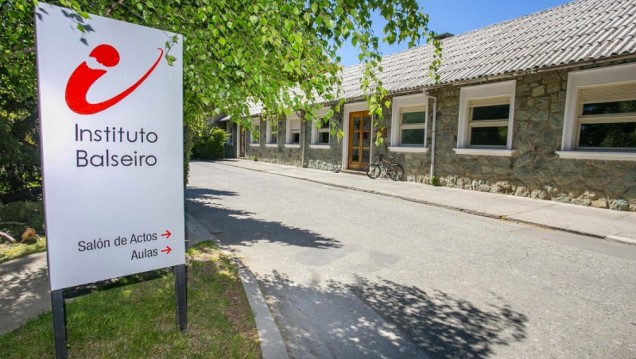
x=280 y=54
x=19 y=130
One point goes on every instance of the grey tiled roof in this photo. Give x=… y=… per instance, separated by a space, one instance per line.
x=578 y=31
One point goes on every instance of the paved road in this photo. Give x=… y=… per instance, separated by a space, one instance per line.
x=24 y=290
x=355 y=275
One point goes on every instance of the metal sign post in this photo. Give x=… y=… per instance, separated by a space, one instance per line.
x=180 y=296
x=59 y=323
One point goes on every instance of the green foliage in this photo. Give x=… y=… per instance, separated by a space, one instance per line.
x=188 y=142
x=236 y=53
x=210 y=145
x=19 y=151
x=19 y=133
x=435 y=181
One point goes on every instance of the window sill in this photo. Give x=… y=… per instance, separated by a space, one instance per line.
x=255 y=144
x=319 y=147
x=484 y=152
x=597 y=155
x=271 y=145
x=292 y=145
x=409 y=149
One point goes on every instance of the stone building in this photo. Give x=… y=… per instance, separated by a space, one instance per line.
x=542 y=106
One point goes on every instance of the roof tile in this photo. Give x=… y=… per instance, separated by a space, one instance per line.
x=581 y=30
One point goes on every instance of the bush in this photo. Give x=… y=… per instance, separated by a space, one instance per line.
x=210 y=145
x=19 y=154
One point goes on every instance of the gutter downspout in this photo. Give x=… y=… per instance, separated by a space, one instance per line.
x=432 y=171
x=303 y=129
x=303 y=140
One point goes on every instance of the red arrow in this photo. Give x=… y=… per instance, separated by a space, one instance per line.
x=167 y=250
x=167 y=234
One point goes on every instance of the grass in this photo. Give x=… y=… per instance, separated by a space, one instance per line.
x=9 y=251
x=138 y=320
x=15 y=218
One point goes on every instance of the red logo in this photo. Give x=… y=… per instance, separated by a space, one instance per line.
x=84 y=77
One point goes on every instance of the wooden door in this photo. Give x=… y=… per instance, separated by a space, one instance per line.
x=359 y=140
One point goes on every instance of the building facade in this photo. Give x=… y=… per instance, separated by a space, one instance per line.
x=542 y=106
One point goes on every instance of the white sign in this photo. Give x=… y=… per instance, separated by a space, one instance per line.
x=112 y=146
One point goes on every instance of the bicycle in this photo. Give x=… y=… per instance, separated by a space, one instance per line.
x=385 y=168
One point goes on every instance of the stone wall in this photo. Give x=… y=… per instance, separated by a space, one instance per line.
x=535 y=170
x=324 y=159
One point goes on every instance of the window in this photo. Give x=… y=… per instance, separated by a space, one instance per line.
x=324 y=132
x=272 y=132
x=321 y=130
x=229 y=125
x=488 y=122
x=600 y=114
x=408 y=123
x=255 y=131
x=292 y=131
x=295 y=131
x=485 y=119
x=412 y=127
x=607 y=117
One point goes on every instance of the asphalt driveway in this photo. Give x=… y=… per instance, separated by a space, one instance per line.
x=349 y=274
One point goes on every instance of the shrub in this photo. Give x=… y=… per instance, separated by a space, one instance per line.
x=210 y=145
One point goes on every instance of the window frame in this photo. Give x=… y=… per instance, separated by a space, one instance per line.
x=256 y=127
x=408 y=104
x=629 y=117
x=271 y=137
x=492 y=123
x=587 y=79
x=487 y=94
x=315 y=131
x=289 y=131
x=229 y=132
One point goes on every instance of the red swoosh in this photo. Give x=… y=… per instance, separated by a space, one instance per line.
x=84 y=77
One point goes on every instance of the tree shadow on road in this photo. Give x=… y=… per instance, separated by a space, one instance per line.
x=385 y=319
x=446 y=327
x=243 y=228
x=207 y=193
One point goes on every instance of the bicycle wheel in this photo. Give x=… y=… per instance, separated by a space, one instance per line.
x=373 y=171
x=396 y=172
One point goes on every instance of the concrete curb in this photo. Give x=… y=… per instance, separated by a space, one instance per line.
x=618 y=238
x=272 y=343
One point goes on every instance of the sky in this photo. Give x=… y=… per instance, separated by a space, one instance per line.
x=458 y=17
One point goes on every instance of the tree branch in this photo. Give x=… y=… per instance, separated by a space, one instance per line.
x=18 y=223
x=113 y=6
x=7 y=236
x=26 y=51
